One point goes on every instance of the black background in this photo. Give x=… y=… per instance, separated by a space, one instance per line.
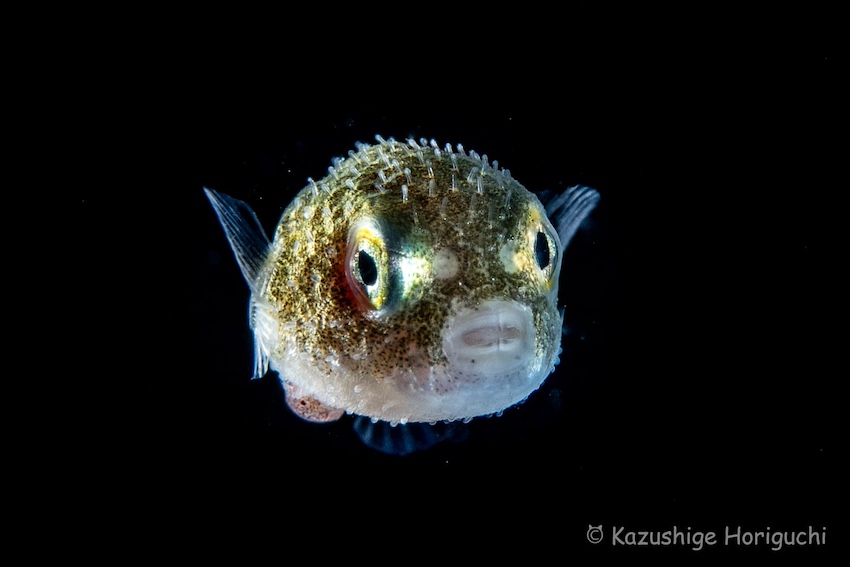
x=694 y=390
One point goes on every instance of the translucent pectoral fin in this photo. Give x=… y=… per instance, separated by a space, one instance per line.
x=569 y=209
x=264 y=323
x=246 y=237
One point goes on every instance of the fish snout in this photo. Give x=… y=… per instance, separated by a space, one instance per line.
x=494 y=339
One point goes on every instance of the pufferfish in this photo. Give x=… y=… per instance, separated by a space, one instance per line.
x=413 y=283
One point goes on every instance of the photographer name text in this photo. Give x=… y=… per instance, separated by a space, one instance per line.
x=697 y=540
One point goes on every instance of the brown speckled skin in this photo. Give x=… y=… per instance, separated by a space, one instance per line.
x=460 y=202
x=424 y=201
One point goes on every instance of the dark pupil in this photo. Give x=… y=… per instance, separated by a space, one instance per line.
x=367 y=267
x=541 y=250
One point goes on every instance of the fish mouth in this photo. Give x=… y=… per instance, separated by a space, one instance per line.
x=492 y=361
x=493 y=340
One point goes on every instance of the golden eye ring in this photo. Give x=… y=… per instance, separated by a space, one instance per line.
x=367 y=268
x=546 y=253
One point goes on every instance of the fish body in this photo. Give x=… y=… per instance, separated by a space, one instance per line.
x=413 y=283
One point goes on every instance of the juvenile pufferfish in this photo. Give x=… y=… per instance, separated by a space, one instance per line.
x=412 y=284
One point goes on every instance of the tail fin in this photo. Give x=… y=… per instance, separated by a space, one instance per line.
x=406 y=438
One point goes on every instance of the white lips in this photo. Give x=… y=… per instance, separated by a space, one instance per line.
x=493 y=340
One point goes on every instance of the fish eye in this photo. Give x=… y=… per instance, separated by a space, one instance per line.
x=541 y=250
x=546 y=252
x=367 y=268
